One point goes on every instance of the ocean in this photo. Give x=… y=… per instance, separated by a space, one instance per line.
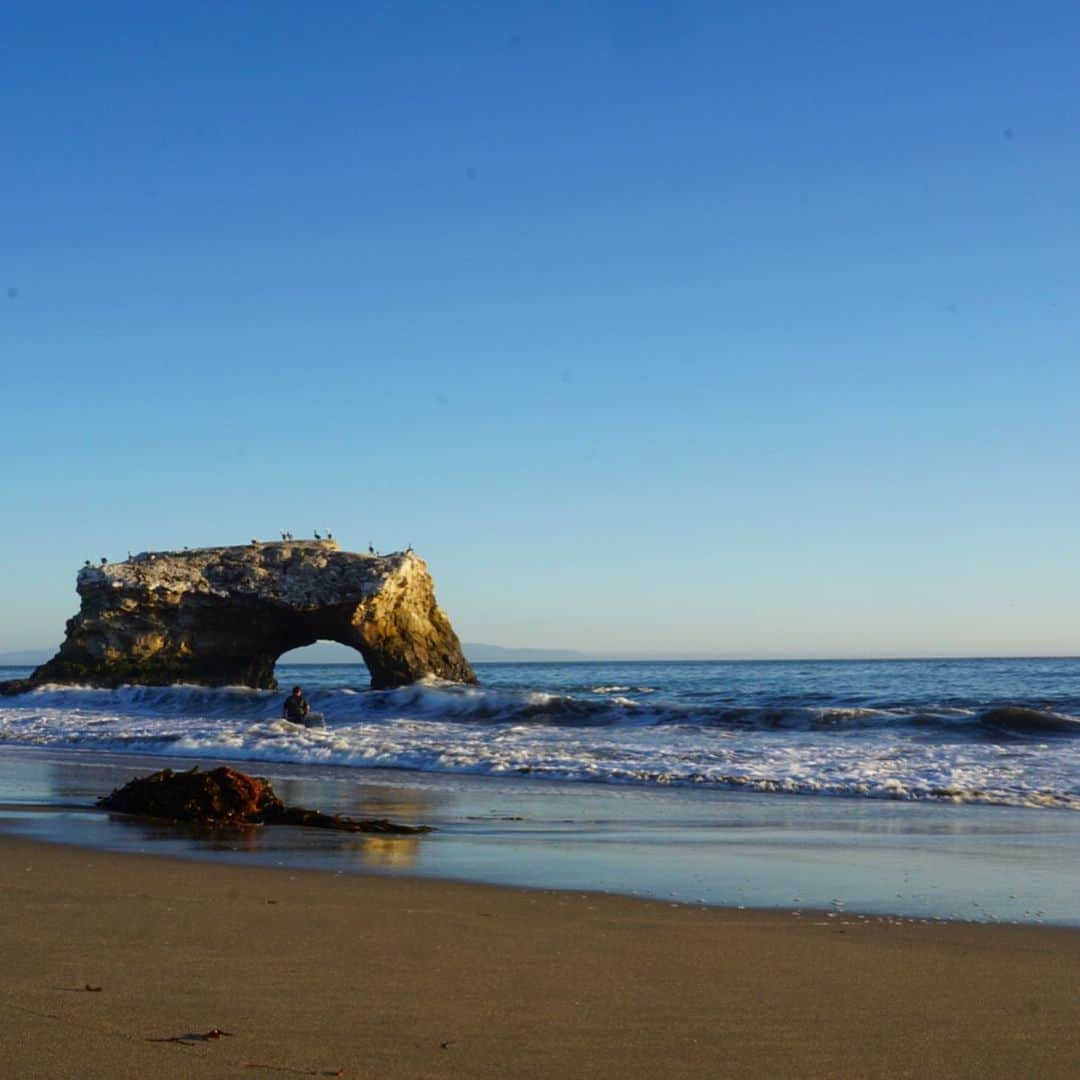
x=999 y=732
x=913 y=788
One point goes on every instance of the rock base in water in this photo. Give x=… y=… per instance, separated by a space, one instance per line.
x=225 y=796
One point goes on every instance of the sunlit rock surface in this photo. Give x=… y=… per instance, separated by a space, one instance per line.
x=222 y=616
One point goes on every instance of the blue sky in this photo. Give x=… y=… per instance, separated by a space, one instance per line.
x=684 y=329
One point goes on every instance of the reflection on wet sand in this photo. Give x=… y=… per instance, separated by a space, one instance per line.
x=376 y=851
x=249 y=838
x=388 y=852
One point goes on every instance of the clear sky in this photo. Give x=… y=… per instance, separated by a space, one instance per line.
x=697 y=329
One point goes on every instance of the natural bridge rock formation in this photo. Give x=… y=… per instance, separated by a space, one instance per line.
x=222 y=616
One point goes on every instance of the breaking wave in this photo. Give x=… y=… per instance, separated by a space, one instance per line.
x=664 y=725
x=611 y=706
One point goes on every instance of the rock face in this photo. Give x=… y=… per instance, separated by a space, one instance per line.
x=222 y=616
x=225 y=796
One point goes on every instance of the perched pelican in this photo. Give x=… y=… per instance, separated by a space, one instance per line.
x=329 y=535
x=103 y=560
x=87 y=563
x=317 y=536
x=371 y=549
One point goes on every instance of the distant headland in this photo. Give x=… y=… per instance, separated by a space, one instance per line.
x=223 y=615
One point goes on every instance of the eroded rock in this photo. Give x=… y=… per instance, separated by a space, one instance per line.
x=226 y=796
x=222 y=616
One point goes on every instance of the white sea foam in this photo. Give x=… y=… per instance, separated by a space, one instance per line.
x=952 y=733
x=610 y=737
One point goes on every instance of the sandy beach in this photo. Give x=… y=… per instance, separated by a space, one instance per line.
x=115 y=965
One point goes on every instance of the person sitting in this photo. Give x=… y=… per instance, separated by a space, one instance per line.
x=295 y=707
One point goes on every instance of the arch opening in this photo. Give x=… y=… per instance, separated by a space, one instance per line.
x=323 y=651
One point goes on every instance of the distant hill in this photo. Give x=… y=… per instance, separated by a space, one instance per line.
x=493 y=653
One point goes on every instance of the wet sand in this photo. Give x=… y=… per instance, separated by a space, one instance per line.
x=313 y=972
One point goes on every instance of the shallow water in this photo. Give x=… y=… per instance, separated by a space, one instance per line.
x=688 y=845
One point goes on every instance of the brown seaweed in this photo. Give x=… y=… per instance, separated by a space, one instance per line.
x=225 y=796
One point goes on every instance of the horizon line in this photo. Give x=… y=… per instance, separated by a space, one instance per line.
x=600 y=658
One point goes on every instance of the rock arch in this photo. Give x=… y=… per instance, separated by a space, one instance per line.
x=222 y=616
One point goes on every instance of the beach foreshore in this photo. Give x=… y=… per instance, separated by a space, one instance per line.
x=717 y=848
x=119 y=965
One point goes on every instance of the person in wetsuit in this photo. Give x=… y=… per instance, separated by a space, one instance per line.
x=295 y=707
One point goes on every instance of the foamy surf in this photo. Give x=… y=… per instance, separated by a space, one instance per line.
x=806 y=730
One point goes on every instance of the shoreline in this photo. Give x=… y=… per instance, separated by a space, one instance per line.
x=313 y=972
x=843 y=916
x=720 y=850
